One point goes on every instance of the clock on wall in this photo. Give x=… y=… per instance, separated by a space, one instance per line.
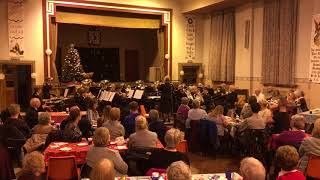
x=94 y=37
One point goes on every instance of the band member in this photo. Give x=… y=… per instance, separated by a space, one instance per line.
x=166 y=100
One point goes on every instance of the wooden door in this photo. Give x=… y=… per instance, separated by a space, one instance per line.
x=132 y=65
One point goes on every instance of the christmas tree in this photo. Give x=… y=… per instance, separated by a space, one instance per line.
x=72 y=69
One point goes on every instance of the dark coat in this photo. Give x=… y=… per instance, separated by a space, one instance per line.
x=166 y=100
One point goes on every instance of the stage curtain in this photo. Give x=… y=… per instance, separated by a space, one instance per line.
x=103 y=20
x=221 y=65
x=279 y=41
x=53 y=28
x=160 y=37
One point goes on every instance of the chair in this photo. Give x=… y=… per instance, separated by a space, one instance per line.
x=313 y=167
x=192 y=136
x=152 y=170
x=179 y=122
x=62 y=168
x=182 y=146
x=143 y=111
x=14 y=148
x=208 y=136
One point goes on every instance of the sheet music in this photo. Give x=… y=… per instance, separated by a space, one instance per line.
x=130 y=94
x=138 y=94
x=111 y=96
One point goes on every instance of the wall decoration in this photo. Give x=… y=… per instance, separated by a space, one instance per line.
x=314 y=72
x=190 y=38
x=16 y=28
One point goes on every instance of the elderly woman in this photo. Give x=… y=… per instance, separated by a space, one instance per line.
x=246 y=109
x=71 y=132
x=15 y=121
x=254 y=121
x=39 y=132
x=100 y=150
x=195 y=113
x=287 y=159
x=179 y=171
x=250 y=169
x=295 y=136
x=103 y=170
x=310 y=145
x=172 y=139
x=115 y=128
x=142 y=137
x=217 y=116
x=264 y=112
x=32 y=166
x=156 y=124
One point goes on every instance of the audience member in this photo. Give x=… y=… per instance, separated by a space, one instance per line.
x=162 y=158
x=32 y=112
x=156 y=124
x=217 y=116
x=281 y=118
x=142 y=137
x=32 y=167
x=179 y=171
x=259 y=95
x=310 y=145
x=100 y=150
x=287 y=159
x=295 y=136
x=105 y=116
x=254 y=121
x=92 y=113
x=300 y=101
x=39 y=132
x=265 y=113
x=252 y=169
x=230 y=100
x=129 y=121
x=103 y=170
x=82 y=97
x=15 y=121
x=71 y=132
x=184 y=108
x=195 y=113
x=246 y=109
x=113 y=125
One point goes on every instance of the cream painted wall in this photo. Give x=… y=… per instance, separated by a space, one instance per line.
x=33 y=43
x=34 y=35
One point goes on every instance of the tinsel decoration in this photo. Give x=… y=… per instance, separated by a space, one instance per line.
x=72 y=69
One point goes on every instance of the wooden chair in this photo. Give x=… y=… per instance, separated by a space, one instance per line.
x=143 y=111
x=62 y=168
x=313 y=167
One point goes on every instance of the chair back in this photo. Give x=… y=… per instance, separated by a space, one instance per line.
x=313 y=167
x=180 y=121
x=192 y=136
x=143 y=110
x=152 y=170
x=182 y=146
x=62 y=168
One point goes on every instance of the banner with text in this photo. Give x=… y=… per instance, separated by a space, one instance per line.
x=15 y=27
x=190 y=38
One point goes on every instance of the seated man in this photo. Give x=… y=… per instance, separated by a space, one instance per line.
x=15 y=121
x=250 y=169
x=32 y=112
x=254 y=121
x=142 y=137
x=129 y=121
x=179 y=171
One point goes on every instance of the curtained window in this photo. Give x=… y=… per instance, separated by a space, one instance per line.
x=279 y=42
x=221 y=64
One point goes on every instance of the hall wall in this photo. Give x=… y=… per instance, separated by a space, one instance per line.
x=34 y=35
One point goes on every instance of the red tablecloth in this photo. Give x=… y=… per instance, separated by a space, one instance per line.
x=80 y=152
x=58 y=117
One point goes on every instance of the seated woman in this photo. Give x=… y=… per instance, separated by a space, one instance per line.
x=92 y=113
x=103 y=170
x=100 y=150
x=39 y=132
x=246 y=109
x=162 y=158
x=300 y=101
x=32 y=167
x=15 y=121
x=142 y=137
x=178 y=171
x=287 y=159
x=105 y=116
x=184 y=108
x=254 y=121
x=195 y=113
x=217 y=116
x=156 y=124
x=113 y=125
x=295 y=136
x=71 y=132
x=281 y=118
x=310 y=145
x=265 y=113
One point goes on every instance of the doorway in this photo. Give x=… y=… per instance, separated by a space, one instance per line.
x=132 y=65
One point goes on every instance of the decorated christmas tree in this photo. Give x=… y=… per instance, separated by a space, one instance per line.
x=72 y=69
